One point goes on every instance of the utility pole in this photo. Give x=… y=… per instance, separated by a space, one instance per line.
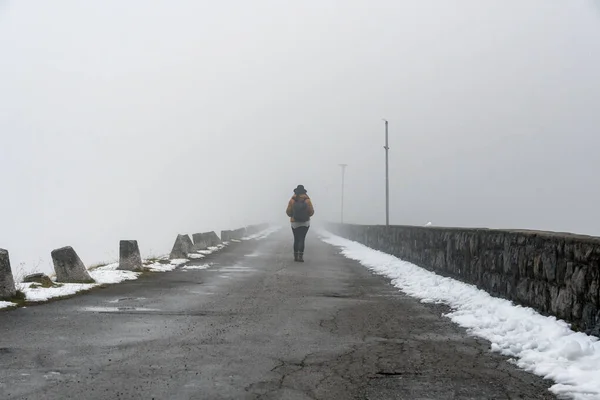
x=387 y=177
x=343 y=178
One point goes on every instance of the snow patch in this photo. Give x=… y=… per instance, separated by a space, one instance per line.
x=195 y=256
x=160 y=267
x=105 y=275
x=109 y=274
x=189 y=267
x=541 y=345
x=6 y=304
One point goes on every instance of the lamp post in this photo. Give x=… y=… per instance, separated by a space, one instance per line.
x=387 y=177
x=343 y=184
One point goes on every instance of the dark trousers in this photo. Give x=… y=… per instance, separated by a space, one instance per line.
x=299 y=237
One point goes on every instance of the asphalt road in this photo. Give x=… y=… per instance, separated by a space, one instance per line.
x=255 y=325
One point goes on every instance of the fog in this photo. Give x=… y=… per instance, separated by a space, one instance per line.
x=144 y=119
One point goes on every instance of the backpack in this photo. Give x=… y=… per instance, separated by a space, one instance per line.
x=300 y=210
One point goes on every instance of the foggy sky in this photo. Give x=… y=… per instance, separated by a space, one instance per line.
x=144 y=119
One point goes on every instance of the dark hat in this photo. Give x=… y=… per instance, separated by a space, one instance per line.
x=300 y=190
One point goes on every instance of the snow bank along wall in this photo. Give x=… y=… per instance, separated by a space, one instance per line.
x=554 y=273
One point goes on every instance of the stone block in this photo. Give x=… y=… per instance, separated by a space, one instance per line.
x=586 y=251
x=39 y=278
x=200 y=242
x=538 y=268
x=562 y=306
x=238 y=234
x=578 y=283
x=182 y=247
x=561 y=269
x=226 y=236
x=549 y=262
x=588 y=318
x=569 y=250
x=129 y=256
x=496 y=284
x=593 y=292
x=570 y=267
x=510 y=259
x=576 y=310
x=211 y=238
x=68 y=266
x=7 y=282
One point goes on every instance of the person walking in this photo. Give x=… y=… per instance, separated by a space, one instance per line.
x=300 y=209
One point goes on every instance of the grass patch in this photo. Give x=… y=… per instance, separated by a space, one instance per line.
x=41 y=282
x=86 y=281
x=19 y=299
x=18 y=296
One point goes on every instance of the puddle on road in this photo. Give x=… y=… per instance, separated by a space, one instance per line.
x=236 y=269
x=198 y=292
x=119 y=309
x=126 y=299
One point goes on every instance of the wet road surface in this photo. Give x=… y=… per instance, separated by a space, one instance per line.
x=254 y=325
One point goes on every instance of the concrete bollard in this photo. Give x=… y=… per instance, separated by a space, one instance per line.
x=68 y=266
x=200 y=242
x=238 y=234
x=7 y=282
x=226 y=236
x=183 y=245
x=211 y=238
x=129 y=256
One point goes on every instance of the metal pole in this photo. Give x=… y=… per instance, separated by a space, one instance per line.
x=343 y=183
x=387 y=177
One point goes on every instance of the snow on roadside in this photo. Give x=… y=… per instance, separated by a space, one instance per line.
x=195 y=256
x=107 y=274
x=179 y=261
x=203 y=266
x=262 y=234
x=541 y=345
x=104 y=275
x=6 y=304
x=164 y=267
x=203 y=253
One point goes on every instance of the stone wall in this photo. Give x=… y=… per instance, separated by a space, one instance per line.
x=557 y=274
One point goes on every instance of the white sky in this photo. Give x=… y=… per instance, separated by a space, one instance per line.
x=144 y=119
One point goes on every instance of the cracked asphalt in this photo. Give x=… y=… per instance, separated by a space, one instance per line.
x=255 y=325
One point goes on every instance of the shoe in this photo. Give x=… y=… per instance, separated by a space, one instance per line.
x=296 y=257
x=300 y=257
